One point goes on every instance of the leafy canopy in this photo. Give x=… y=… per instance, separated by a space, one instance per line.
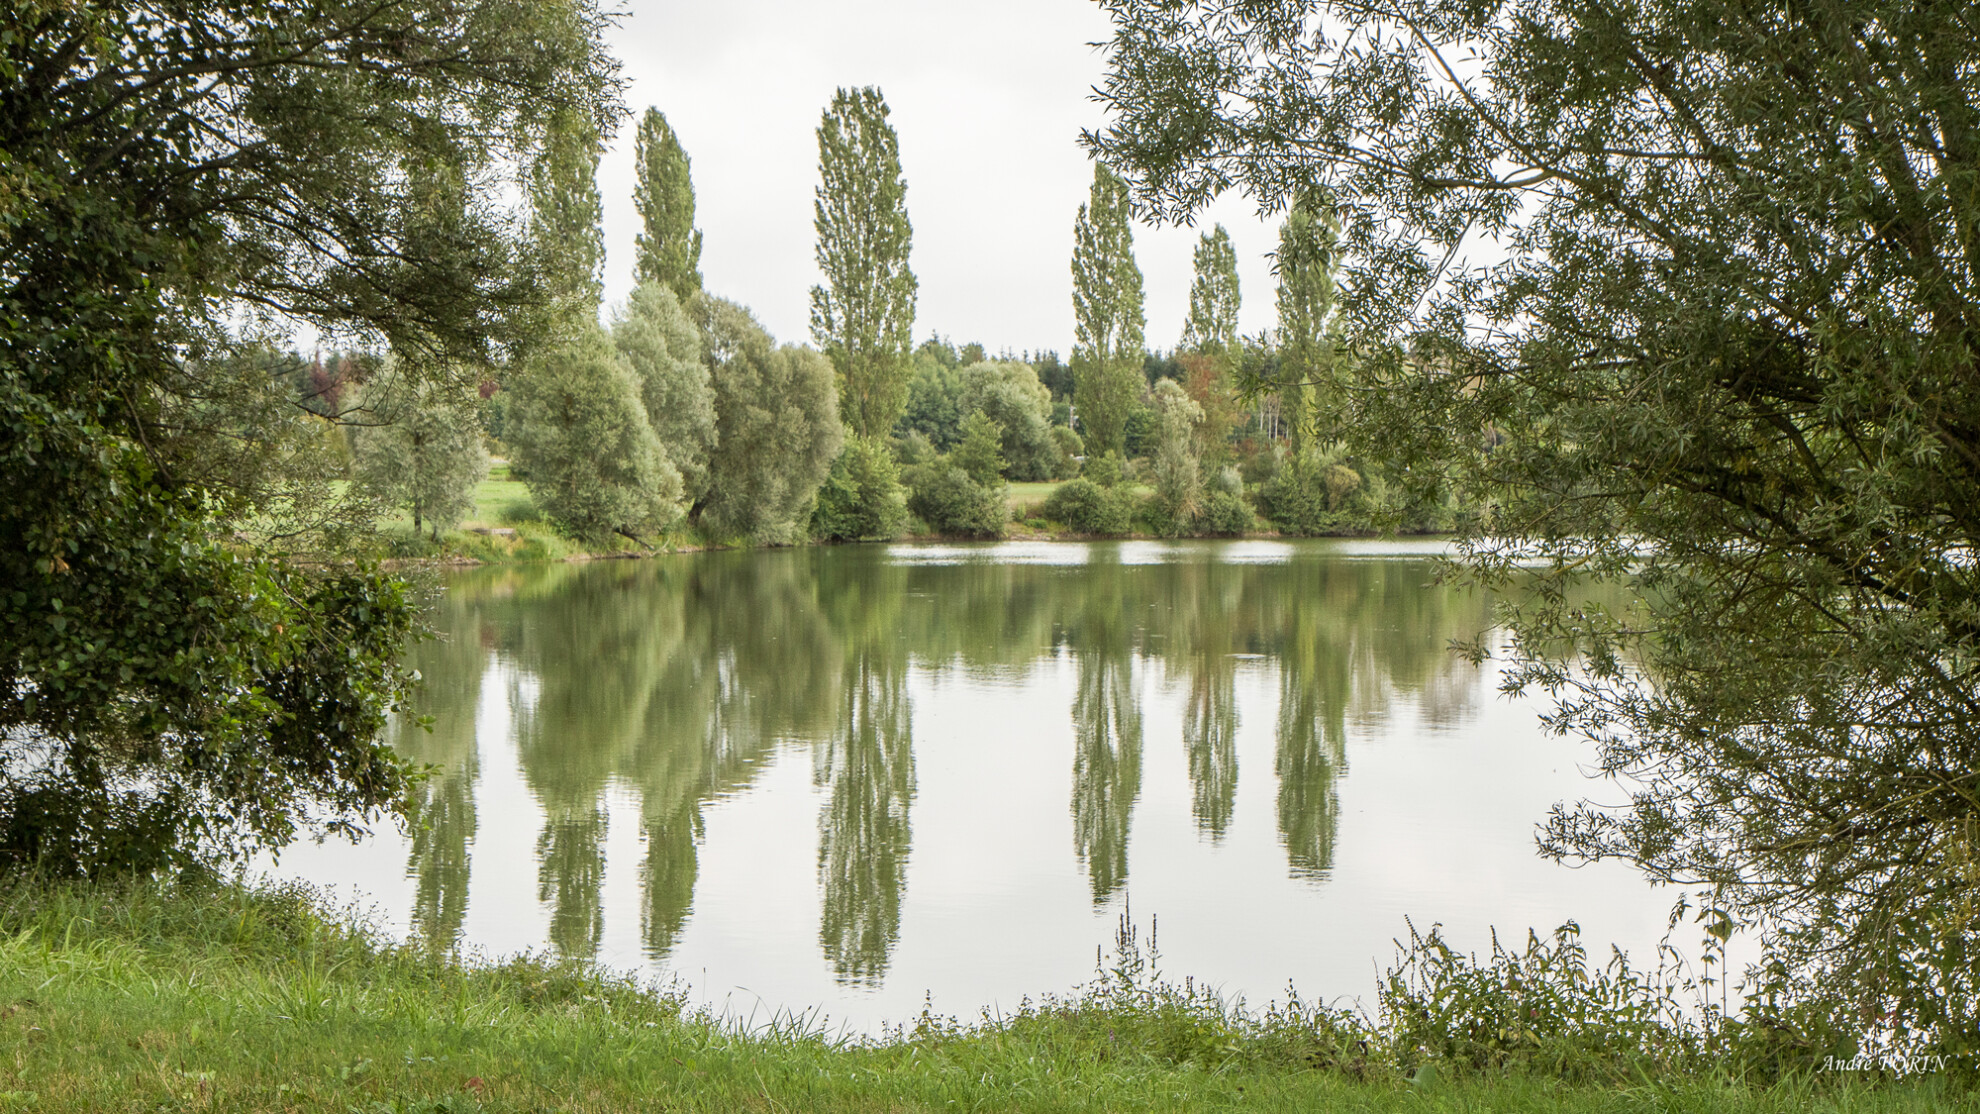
x=777 y=428
x=1725 y=347
x=668 y=243
x=1214 y=296
x=171 y=177
x=1107 y=317
x=863 y=317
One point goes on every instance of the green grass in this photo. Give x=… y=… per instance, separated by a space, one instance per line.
x=501 y=501
x=217 y=997
x=1024 y=495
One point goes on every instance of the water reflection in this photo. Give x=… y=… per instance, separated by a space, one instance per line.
x=441 y=736
x=866 y=767
x=665 y=685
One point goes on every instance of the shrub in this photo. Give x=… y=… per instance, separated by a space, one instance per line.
x=1226 y=514
x=1084 y=507
x=1071 y=448
x=862 y=499
x=950 y=502
x=1310 y=495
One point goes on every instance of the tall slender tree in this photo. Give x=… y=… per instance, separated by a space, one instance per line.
x=1305 y=266
x=863 y=318
x=1212 y=325
x=565 y=212
x=1107 y=317
x=669 y=244
x=578 y=428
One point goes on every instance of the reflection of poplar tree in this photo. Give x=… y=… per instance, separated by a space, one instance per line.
x=867 y=763
x=1106 y=732
x=863 y=835
x=1317 y=675
x=598 y=646
x=1210 y=734
x=570 y=874
x=667 y=877
x=443 y=805
x=1203 y=602
x=755 y=663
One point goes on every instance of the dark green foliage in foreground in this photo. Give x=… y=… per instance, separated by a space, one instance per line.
x=166 y=690
x=136 y=998
x=1730 y=355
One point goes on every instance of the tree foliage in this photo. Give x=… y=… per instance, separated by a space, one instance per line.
x=935 y=401
x=421 y=450
x=943 y=494
x=980 y=452
x=1305 y=263
x=862 y=498
x=863 y=317
x=1085 y=507
x=668 y=243
x=171 y=177
x=565 y=234
x=580 y=436
x=1107 y=317
x=777 y=428
x=1728 y=355
x=660 y=344
x=1010 y=396
x=1174 y=466
x=1212 y=325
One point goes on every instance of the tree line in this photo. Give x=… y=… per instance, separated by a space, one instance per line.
x=683 y=411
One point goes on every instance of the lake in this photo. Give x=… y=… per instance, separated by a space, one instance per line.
x=842 y=782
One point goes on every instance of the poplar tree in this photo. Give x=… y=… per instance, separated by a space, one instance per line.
x=1212 y=325
x=863 y=318
x=1107 y=317
x=1305 y=266
x=669 y=244
x=1211 y=348
x=565 y=211
x=579 y=432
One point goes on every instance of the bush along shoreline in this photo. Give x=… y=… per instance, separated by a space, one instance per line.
x=939 y=502
x=202 y=994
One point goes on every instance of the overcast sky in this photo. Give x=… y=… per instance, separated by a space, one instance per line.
x=988 y=100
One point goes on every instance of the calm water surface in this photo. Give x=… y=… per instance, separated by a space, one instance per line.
x=848 y=779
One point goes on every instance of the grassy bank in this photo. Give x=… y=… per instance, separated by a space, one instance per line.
x=117 y=998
